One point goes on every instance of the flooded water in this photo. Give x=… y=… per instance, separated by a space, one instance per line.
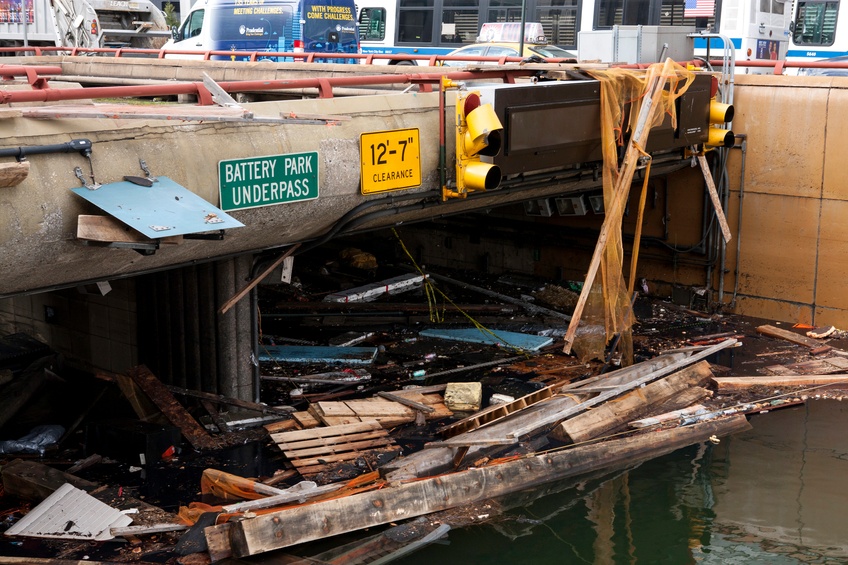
x=777 y=494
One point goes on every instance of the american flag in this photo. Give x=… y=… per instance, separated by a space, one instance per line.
x=699 y=9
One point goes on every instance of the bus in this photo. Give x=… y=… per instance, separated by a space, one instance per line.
x=290 y=26
x=818 y=31
x=758 y=29
x=437 y=27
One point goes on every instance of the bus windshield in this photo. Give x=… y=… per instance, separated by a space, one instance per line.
x=815 y=23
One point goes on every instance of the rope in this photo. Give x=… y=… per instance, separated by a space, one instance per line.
x=431 y=291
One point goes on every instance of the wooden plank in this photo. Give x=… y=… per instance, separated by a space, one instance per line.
x=339 y=453
x=301 y=524
x=779 y=333
x=730 y=384
x=686 y=398
x=711 y=188
x=258 y=279
x=281 y=426
x=407 y=402
x=306 y=420
x=221 y=399
x=612 y=416
x=173 y=410
x=624 y=388
x=328 y=442
x=328 y=432
x=665 y=417
x=107 y=229
x=13 y=174
x=293 y=494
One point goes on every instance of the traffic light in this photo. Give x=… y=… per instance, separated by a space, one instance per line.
x=478 y=133
x=719 y=114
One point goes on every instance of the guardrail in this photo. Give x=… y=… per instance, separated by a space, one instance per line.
x=425 y=82
x=300 y=57
x=779 y=67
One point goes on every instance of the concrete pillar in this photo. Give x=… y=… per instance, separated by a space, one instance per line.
x=183 y=338
x=226 y=325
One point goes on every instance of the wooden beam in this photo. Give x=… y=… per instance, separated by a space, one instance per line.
x=301 y=524
x=13 y=174
x=407 y=402
x=173 y=410
x=780 y=333
x=612 y=416
x=221 y=399
x=730 y=384
x=626 y=387
x=711 y=188
x=107 y=229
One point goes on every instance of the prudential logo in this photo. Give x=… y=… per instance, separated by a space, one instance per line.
x=242 y=29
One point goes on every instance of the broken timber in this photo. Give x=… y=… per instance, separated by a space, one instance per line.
x=636 y=404
x=728 y=384
x=173 y=410
x=779 y=333
x=297 y=525
x=543 y=414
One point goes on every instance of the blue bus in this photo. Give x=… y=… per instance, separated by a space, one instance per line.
x=290 y=26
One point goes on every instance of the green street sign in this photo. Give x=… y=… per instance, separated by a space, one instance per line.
x=265 y=181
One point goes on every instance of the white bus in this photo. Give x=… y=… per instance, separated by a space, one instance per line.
x=818 y=31
x=436 y=27
x=758 y=29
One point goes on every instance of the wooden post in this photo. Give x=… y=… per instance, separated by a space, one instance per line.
x=711 y=188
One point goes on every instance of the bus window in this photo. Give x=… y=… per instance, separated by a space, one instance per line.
x=372 y=24
x=415 y=21
x=460 y=17
x=815 y=23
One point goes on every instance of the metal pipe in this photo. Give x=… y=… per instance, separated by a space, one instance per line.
x=325 y=86
x=744 y=148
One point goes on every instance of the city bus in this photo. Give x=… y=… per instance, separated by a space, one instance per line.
x=818 y=31
x=758 y=29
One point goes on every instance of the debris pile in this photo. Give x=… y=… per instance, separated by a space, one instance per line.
x=391 y=424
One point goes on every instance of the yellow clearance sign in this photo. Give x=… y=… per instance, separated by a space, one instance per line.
x=391 y=160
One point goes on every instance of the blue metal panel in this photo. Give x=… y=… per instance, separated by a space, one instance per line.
x=162 y=210
x=517 y=340
x=318 y=354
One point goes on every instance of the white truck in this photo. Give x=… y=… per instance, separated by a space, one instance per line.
x=82 y=23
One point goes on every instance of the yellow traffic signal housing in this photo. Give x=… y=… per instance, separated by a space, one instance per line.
x=720 y=114
x=478 y=133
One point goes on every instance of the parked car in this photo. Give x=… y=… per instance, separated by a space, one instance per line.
x=505 y=49
x=827 y=72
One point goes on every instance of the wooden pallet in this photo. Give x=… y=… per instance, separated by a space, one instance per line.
x=310 y=450
x=388 y=413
